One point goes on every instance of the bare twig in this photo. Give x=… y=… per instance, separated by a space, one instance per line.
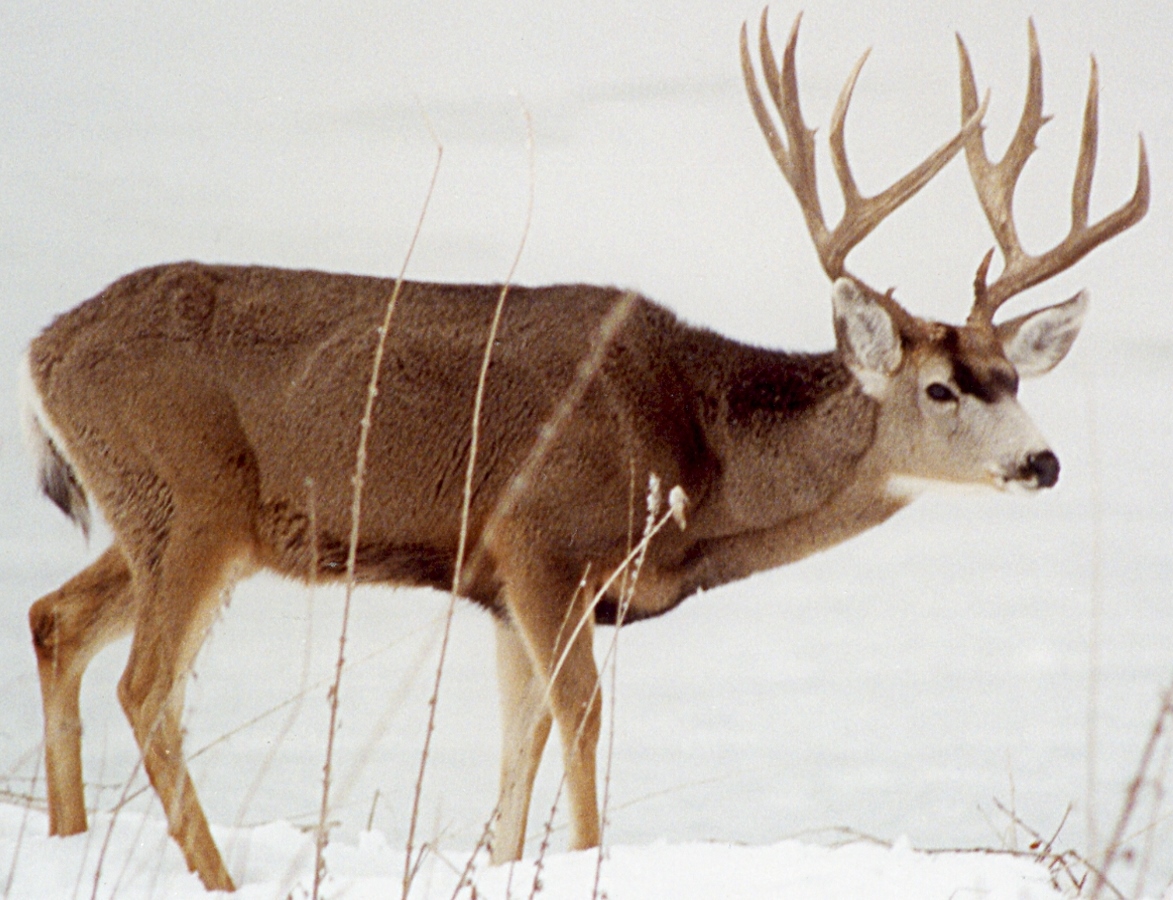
x=410 y=865
x=360 y=465
x=465 y=879
x=627 y=590
x=1149 y=831
x=1043 y=852
x=629 y=570
x=23 y=824
x=624 y=601
x=283 y=731
x=1069 y=864
x=634 y=557
x=1095 y=615
x=1132 y=795
x=371 y=815
x=539 y=863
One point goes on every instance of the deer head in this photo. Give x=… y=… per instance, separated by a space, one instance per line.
x=949 y=393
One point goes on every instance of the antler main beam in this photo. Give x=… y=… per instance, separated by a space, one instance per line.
x=995 y=184
x=796 y=155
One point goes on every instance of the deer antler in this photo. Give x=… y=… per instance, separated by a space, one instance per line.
x=995 y=185
x=796 y=156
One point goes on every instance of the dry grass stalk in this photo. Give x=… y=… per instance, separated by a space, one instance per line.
x=520 y=483
x=1069 y=870
x=1149 y=832
x=360 y=465
x=629 y=570
x=1095 y=625
x=303 y=689
x=547 y=832
x=635 y=557
x=1132 y=795
x=627 y=590
x=466 y=879
x=621 y=614
x=411 y=866
x=23 y=823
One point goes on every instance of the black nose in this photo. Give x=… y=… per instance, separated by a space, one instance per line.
x=1045 y=468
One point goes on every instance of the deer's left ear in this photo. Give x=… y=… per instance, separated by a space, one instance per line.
x=1036 y=342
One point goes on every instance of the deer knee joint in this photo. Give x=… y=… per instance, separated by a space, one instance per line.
x=45 y=625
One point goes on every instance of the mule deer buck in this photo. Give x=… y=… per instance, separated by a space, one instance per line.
x=192 y=403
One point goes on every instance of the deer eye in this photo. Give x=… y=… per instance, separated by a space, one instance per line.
x=940 y=392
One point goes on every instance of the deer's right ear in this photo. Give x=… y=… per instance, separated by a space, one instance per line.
x=866 y=337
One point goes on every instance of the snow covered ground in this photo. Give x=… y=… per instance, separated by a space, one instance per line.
x=975 y=647
x=276 y=860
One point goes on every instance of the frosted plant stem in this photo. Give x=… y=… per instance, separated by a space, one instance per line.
x=411 y=866
x=624 y=594
x=628 y=589
x=635 y=556
x=360 y=465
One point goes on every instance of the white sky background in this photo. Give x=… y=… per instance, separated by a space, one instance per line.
x=294 y=134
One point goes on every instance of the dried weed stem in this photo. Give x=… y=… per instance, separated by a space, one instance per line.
x=411 y=865
x=1132 y=795
x=360 y=467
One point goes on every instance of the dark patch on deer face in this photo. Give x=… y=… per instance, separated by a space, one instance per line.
x=979 y=367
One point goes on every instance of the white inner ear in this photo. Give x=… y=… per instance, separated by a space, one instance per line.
x=866 y=335
x=1043 y=338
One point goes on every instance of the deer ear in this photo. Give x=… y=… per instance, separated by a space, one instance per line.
x=866 y=336
x=1036 y=342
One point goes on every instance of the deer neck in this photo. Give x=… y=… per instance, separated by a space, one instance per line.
x=797 y=477
x=791 y=434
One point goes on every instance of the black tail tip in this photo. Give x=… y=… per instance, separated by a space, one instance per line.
x=59 y=483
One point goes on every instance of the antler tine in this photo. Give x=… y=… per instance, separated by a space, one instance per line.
x=862 y=214
x=796 y=158
x=1081 y=189
x=995 y=185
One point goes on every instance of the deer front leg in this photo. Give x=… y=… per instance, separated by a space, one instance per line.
x=69 y=626
x=525 y=726
x=547 y=610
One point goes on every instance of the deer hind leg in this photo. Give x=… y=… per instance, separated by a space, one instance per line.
x=191 y=545
x=546 y=609
x=69 y=626
x=525 y=726
x=185 y=595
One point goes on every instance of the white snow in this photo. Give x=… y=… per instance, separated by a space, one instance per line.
x=975 y=647
x=276 y=860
